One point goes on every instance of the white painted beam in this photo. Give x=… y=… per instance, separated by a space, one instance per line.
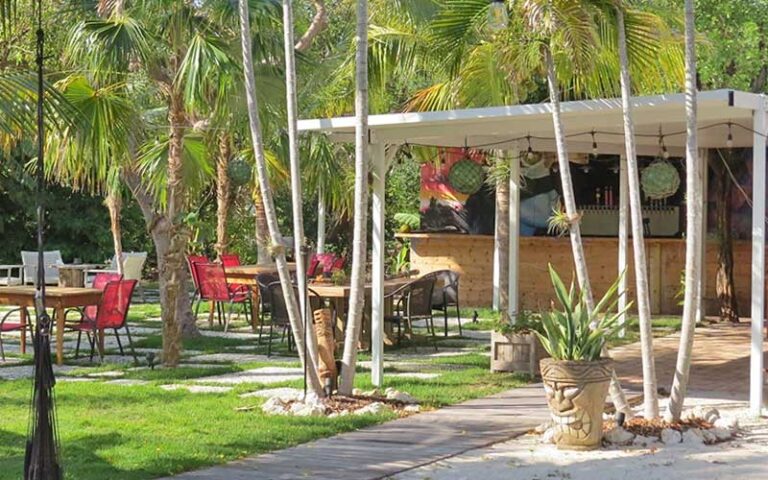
x=758 y=261
x=379 y=172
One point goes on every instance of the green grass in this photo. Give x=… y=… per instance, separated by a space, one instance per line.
x=143 y=432
x=662 y=326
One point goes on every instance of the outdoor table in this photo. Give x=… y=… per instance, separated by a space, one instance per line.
x=58 y=298
x=338 y=295
x=73 y=275
x=246 y=275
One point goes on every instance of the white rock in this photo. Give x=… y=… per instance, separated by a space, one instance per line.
x=730 y=423
x=357 y=392
x=412 y=408
x=670 y=436
x=274 y=406
x=709 y=437
x=299 y=409
x=400 y=397
x=721 y=434
x=543 y=427
x=371 y=393
x=374 y=408
x=548 y=436
x=710 y=414
x=618 y=436
x=643 y=441
x=693 y=436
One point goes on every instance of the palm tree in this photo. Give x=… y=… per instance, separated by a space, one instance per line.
x=222 y=191
x=642 y=292
x=276 y=249
x=359 y=244
x=693 y=224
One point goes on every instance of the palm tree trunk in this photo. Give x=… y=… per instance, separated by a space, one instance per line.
x=260 y=226
x=582 y=274
x=276 y=248
x=321 y=213
x=296 y=191
x=114 y=203
x=693 y=224
x=359 y=244
x=222 y=192
x=502 y=236
x=650 y=392
x=726 y=294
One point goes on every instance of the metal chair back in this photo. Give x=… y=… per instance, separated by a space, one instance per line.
x=114 y=305
x=213 y=282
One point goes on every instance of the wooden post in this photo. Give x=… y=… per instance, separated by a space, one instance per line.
x=514 y=236
x=623 y=237
x=758 y=258
x=379 y=171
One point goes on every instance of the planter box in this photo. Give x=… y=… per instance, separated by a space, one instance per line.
x=518 y=353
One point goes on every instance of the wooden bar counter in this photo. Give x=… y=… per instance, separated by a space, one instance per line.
x=472 y=256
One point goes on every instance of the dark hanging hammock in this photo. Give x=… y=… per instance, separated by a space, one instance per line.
x=41 y=460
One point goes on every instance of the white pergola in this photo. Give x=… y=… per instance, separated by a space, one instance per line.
x=508 y=128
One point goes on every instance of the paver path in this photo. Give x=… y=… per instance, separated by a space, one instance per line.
x=384 y=450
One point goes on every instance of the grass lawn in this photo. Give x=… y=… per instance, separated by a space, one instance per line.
x=140 y=432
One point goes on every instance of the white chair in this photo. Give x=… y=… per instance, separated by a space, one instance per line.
x=50 y=258
x=7 y=276
x=133 y=264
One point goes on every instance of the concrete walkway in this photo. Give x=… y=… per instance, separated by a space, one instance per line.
x=384 y=450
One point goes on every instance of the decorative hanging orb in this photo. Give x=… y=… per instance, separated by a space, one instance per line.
x=239 y=171
x=660 y=180
x=466 y=176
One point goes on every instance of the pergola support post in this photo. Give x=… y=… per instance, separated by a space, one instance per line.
x=701 y=311
x=379 y=171
x=758 y=259
x=496 y=255
x=514 y=236
x=623 y=239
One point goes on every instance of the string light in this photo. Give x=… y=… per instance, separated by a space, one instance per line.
x=729 y=142
x=594 y=145
x=530 y=148
x=664 y=151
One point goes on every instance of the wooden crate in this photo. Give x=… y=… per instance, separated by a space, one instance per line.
x=518 y=353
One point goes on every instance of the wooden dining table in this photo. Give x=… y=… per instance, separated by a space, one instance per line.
x=57 y=298
x=247 y=275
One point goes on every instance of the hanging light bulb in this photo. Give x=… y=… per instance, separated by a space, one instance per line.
x=594 y=145
x=530 y=148
x=663 y=146
x=729 y=142
x=498 y=18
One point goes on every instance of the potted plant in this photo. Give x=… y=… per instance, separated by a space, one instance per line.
x=515 y=346
x=576 y=377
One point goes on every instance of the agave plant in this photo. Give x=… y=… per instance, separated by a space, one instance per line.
x=569 y=334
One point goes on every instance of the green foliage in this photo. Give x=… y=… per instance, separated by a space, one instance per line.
x=401 y=263
x=408 y=221
x=575 y=332
x=526 y=322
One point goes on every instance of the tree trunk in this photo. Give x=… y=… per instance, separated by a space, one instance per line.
x=295 y=168
x=319 y=23
x=642 y=292
x=222 y=192
x=569 y=199
x=276 y=248
x=693 y=224
x=321 y=213
x=114 y=203
x=260 y=227
x=502 y=235
x=359 y=243
x=725 y=289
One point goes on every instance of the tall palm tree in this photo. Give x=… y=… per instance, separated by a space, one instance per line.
x=642 y=292
x=693 y=267
x=277 y=249
x=359 y=244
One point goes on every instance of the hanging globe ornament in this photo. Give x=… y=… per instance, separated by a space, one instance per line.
x=466 y=176
x=660 y=180
x=239 y=171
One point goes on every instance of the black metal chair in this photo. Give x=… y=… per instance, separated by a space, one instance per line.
x=413 y=301
x=265 y=307
x=446 y=294
x=279 y=311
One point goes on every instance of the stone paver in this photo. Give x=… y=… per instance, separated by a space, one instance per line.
x=417 y=375
x=127 y=382
x=231 y=358
x=28 y=371
x=264 y=375
x=273 y=392
x=196 y=388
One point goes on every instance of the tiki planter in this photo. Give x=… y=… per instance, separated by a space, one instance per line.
x=516 y=352
x=576 y=393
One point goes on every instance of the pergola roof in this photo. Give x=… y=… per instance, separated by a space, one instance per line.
x=507 y=127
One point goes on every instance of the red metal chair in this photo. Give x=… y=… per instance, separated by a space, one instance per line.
x=111 y=314
x=313 y=264
x=7 y=326
x=214 y=288
x=192 y=260
x=338 y=264
x=230 y=260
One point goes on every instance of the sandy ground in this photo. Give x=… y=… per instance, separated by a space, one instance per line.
x=525 y=458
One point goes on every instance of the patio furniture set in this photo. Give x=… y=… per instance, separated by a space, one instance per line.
x=100 y=306
x=257 y=290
